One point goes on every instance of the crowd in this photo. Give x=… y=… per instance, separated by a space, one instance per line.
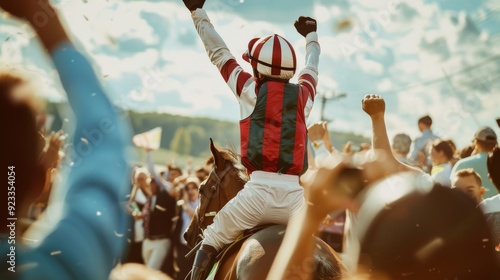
x=162 y=204
x=426 y=210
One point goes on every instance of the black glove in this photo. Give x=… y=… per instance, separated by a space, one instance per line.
x=193 y=4
x=305 y=25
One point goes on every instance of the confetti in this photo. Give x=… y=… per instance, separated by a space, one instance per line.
x=7 y=39
x=98 y=213
x=55 y=253
x=118 y=234
x=84 y=140
x=86 y=18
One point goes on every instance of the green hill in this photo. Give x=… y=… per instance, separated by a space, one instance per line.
x=185 y=137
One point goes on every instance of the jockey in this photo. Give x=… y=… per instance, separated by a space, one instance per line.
x=273 y=130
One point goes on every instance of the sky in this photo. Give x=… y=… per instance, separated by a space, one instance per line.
x=440 y=58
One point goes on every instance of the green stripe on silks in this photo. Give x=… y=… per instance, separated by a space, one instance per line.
x=305 y=166
x=256 y=134
x=288 y=127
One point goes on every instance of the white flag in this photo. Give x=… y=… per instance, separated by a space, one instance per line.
x=149 y=139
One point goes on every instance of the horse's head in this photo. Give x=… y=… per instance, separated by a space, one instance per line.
x=225 y=180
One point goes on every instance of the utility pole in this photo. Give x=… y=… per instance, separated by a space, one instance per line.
x=326 y=97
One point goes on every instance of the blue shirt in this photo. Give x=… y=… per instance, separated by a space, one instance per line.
x=420 y=144
x=478 y=163
x=89 y=239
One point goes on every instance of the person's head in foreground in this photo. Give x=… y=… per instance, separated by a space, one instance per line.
x=493 y=164
x=410 y=229
x=21 y=147
x=424 y=123
x=469 y=182
x=485 y=140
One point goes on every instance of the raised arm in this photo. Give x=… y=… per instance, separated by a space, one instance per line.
x=308 y=76
x=87 y=235
x=234 y=75
x=374 y=106
x=162 y=183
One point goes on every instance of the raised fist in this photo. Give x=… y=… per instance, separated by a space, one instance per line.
x=193 y=4
x=305 y=25
x=373 y=105
x=317 y=131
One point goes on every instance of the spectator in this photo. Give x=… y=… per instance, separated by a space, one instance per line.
x=201 y=173
x=398 y=233
x=441 y=154
x=421 y=143
x=187 y=209
x=491 y=206
x=485 y=140
x=157 y=213
x=140 y=182
x=469 y=182
x=401 y=144
x=332 y=227
x=85 y=239
x=174 y=172
x=466 y=152
x=453 y=147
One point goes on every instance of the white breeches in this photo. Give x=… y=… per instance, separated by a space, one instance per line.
x=267 y=198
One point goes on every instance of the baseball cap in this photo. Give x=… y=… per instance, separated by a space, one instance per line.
x=486 y=134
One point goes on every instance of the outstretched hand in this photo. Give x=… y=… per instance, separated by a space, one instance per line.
x=193 y=4
x=50 y=155
x=373 y=105
x=317 y=131
x=321 y=194
x=305 y=25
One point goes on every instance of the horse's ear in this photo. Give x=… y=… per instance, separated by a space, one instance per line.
x=218 y=160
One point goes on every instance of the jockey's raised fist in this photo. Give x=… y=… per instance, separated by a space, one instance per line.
x=373 y=105
x=193 y=4
x=305 y=25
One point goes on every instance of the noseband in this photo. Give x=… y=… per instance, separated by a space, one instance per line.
x=211 y=192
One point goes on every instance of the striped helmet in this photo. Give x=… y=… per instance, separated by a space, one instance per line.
x=272 y=56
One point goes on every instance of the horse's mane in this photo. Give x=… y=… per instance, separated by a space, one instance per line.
x=229 y=154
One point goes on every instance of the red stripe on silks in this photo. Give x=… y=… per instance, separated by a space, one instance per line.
x=310 y=85
x=272 y=126
x=241 y=81
x=293 y=53
x=256 y=53
x=276 y=55
x=228 y=68
x=300 y=135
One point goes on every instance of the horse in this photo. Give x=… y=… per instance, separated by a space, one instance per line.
x=254 y=257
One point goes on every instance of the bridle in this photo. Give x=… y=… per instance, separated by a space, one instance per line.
x=212 y=191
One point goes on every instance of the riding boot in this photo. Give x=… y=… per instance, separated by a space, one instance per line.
x=203 y=262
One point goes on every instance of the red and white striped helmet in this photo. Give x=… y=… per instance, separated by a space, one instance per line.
x=272 y=56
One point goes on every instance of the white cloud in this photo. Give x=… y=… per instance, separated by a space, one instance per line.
x=370 y=66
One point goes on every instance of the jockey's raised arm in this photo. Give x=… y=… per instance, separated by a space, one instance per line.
x=243 y=84
x=273 y=131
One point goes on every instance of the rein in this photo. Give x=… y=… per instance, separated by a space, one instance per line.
x=210 y=194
